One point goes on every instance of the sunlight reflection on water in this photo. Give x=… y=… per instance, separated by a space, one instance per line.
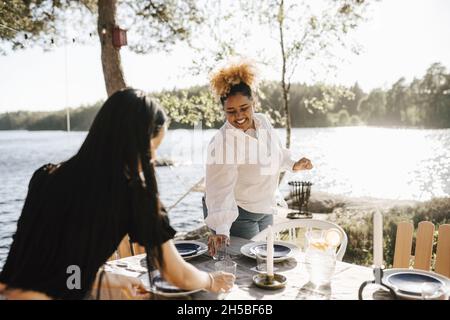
x=356 y=161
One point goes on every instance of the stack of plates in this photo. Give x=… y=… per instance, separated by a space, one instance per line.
x=409 y=283
x=190 y=249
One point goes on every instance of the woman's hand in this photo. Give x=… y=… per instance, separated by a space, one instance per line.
x=119 y=287
x=303 y=164
x=217 y=241
x=221 y=281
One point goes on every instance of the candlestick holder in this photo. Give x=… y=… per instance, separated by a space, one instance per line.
x=378 y=275
x=274 y=282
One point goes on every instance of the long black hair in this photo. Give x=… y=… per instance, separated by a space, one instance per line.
x=77 y=213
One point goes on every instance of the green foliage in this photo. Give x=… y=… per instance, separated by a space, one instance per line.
x=156 y=25
x=81 y=119
x=359 y=225
x=190 y=107
x=41 y=22
x=423 y=103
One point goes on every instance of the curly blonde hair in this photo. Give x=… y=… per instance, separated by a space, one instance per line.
x=222 y=80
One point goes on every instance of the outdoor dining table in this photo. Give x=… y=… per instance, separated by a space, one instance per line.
x=344 y=284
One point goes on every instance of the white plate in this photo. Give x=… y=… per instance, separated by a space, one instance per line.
x=246 y=250
x=145 y=280
x=203 y=248
x=390 y=272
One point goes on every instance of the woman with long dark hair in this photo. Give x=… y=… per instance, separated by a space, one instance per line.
x=77 y=212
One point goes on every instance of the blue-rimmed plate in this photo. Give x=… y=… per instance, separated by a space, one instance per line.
x=408 y=283
x=286 y=250
x=189 y=249
x=162 y=287
x=279 y=250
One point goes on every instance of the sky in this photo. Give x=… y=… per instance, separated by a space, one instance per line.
x=402 y=39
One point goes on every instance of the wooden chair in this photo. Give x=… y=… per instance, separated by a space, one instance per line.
x=288 y=231
x=424 y=247
x=127 y=248
x=442 y=263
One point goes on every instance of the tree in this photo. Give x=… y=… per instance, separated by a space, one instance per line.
x=305 y=32
x=435 y=96
x=40 y=22
x=154 y=25
x=350 y=101
x=373 y=108
x=397 y=102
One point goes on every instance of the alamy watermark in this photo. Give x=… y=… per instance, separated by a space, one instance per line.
x=74 y=279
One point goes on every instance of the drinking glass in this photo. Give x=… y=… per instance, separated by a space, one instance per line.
x=221 y=253
x=261 y=263
x=228 y=266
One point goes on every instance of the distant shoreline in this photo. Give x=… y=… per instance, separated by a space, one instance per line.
x=277 y=127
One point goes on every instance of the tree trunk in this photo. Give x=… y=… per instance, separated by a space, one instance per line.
x=288 y=115
x=284 y=85
x=111 y=63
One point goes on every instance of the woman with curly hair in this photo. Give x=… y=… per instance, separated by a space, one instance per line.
x=244 y=160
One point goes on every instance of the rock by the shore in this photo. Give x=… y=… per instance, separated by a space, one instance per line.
x=164 y=162
x=322 y=202
x=199 y=233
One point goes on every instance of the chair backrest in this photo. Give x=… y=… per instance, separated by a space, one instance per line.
x=424 y=247
x=403 y=244
x=442 y=265
x=292 y=225
x=126 y=249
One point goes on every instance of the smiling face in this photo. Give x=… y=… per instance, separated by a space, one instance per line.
x=239 y=111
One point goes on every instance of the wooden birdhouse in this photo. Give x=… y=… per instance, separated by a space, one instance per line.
x=119 y=37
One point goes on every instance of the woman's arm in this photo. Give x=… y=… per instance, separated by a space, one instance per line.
x=18 y=294
x=118 y=287
x=185 y=276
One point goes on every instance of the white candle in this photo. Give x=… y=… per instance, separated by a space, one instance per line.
x=377 y=239
x=270 y=252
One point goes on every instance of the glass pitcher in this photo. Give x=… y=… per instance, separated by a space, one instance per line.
x=320 y=258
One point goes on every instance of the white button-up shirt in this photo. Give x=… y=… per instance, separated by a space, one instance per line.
x=243 y=170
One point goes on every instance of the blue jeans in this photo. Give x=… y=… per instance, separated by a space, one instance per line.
x=248 y=224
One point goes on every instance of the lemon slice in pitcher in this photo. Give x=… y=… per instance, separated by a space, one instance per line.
x=320 y=245
x=333 y=237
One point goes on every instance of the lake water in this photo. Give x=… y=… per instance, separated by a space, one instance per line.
x=356 y=161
